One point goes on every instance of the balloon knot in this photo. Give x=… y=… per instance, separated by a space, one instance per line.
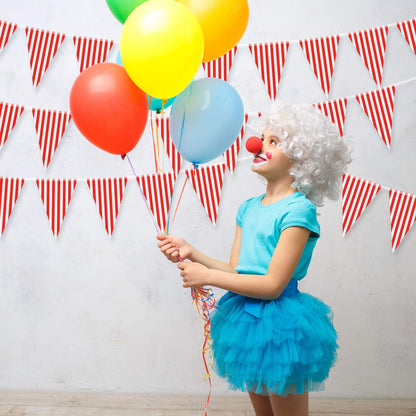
x=123 y=156
x=196 y=166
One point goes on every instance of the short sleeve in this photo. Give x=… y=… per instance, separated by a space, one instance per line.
x=241 y=212
x=301 y=214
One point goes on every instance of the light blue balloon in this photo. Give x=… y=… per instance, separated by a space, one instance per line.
x=206 y=119
x=156 y=104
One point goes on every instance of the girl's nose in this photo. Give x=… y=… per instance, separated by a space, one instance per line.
x=254 y=144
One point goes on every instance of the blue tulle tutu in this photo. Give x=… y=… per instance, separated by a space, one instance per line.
x=283 y=346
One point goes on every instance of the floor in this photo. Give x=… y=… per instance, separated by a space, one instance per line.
x=106 y=404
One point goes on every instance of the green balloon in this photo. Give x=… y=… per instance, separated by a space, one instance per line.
x=122 y=8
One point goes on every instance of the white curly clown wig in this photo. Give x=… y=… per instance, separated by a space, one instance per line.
x=320 y=156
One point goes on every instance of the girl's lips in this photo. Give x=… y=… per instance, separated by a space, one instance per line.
x=259 y=159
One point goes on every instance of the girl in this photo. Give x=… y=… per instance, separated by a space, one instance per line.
x=269 y=339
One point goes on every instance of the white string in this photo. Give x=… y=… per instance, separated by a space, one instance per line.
x=239 y=45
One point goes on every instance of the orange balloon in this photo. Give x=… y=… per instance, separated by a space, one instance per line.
x=108 y=108
x=223 y=23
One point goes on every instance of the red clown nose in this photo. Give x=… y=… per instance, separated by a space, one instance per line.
x=254 y=144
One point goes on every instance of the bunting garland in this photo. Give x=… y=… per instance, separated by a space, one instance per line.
x=321 y=54
x=408 y=29
x=50 y=126
x=231 y=154
x=42 y=46
x=335 y=110
x=108 y=194
x=56 y=195
x=270 y=59
x=371 y=46
x=402 y=215
x=9 y=192
x=207 y=182
x=356 y=196
x=220 y=67
x=6 y=31
x=91 y=51
x=9 y=115
x=158 y=189
x=379 y=106
x=174 y=156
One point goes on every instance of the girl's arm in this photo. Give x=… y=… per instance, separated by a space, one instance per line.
x=175 y=247
x=285 y=258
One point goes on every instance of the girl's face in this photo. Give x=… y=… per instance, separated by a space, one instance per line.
x=271 y=162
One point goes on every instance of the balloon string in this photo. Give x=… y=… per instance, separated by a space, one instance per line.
x=205 y=302
x=179 y=200
x=158 y=230
x=155 y=153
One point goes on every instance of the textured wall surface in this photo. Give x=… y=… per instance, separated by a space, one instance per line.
x=89 y=312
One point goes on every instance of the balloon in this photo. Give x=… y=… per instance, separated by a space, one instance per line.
x=223 y=23
x=122 y=8
x=206 y=119
x=108 y=108
x=161 y=47
x=155 y=104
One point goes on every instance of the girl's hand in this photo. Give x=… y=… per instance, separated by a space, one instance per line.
x=193 y=274
x=174 y=247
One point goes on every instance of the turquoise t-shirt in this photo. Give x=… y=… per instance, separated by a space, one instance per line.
x=262 y=225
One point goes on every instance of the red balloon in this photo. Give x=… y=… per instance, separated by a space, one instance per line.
x=108 y=108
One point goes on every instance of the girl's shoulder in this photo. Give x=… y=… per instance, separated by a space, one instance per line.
x=251 y=202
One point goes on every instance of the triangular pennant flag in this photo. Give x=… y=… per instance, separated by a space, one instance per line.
x=270 y=59
x=207 y=182
x=371 y=46
x=231 y=154
x=408 y=29
x=174 y=156
x=107 y=194
x=379 y=107
x=42 y=46
x=335 y=110
x=402 y=215
x=6 y=31
x=321 y=54
x=50 y=126
x=158 y=189
x=220 y=68
x=91 y=51
x=9 y=192
x=356 y=196
x=56 y=195
x=9 y=114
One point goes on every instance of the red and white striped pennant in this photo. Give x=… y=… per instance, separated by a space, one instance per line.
x=107 y=194
x=402 y=215
x=357 y=194
x=220 y=67
x=9 y=192
x=50 y=126
x=270 y=59
x=379 y=107
x=158 y=189
x=408 y=29
x=9 y=114
x=231 y=154
x=6 y=31
x=207 y=182
x=335 y=110
x=371 y=46
x=56 y=195
x=42 y=46
x=321 y=54
x=91 y=51
x=174 y=156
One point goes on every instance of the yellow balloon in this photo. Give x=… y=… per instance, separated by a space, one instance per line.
x=223 y=23
x=161 y=47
